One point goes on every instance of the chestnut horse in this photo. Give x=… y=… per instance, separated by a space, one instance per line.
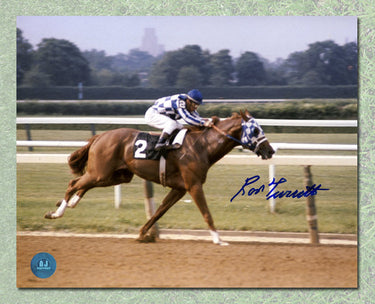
x=108 y=160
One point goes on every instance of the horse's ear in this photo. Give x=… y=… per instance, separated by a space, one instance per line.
x=215 y=119
x=244 y=116
x=248 y=114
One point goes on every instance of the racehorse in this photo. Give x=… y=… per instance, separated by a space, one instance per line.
x=108 y=159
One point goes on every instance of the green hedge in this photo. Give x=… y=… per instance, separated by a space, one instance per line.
x=256 y=92
x=340 y=109
x=81 y=108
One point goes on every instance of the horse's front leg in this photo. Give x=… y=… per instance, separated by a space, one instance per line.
x=197 y=194
x=172 y=197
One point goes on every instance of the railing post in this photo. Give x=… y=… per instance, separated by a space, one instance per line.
x=93 y=130
x=311 y=216
x=117 y=196
x=80 y=90
x=28 y=134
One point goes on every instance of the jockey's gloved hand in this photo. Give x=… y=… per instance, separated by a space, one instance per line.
x=208 y=123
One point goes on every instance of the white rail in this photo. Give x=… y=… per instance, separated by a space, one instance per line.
x=141 y=121
x=301 y=146
x=50 y=143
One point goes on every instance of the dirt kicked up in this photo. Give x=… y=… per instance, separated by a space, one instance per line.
x=124 y=263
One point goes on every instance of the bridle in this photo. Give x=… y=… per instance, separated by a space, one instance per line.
x=253 y=147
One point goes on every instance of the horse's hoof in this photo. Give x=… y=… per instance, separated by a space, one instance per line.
x=147 y=239
x=49 y=215
x=223 y=243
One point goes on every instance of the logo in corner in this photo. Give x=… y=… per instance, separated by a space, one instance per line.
x=43 y=265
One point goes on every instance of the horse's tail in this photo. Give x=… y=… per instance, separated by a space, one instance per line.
x=78 y=159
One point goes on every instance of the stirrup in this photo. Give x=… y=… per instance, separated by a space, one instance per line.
x=162 y=142
x=173 y=147
x=160 y=146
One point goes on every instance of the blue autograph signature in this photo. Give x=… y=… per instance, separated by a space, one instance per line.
x=272 y=193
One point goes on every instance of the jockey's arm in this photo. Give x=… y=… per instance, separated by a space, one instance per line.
x=194 y=119
x=191 y=118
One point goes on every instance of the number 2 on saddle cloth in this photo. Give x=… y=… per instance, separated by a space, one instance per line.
x=145 y=143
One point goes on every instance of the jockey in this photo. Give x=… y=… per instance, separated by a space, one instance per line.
x=165 y=112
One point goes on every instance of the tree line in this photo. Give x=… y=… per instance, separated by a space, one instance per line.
x=58 y=62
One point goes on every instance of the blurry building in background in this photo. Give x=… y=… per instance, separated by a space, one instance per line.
x=150 y=43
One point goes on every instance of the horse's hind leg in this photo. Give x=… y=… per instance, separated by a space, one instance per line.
x=172 y=197
x=80 y=185
x=73 y=201
x=118 y=177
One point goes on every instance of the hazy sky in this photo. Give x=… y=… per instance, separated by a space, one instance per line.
x=270 y=37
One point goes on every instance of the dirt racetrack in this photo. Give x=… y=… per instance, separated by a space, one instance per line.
x=120 y=263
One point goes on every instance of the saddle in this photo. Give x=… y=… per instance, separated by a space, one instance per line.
x=145 y=143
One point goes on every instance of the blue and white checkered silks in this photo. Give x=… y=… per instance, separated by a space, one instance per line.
x=175 y=108
x=250 y=137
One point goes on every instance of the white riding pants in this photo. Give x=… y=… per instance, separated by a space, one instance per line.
x=160 y=121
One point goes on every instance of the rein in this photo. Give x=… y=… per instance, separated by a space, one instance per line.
x=227 y=135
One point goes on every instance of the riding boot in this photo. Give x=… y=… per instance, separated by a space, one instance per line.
x=162 y=142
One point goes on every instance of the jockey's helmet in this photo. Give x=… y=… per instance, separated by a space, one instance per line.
x=195 y=96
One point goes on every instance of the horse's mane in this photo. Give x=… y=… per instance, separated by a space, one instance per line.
x=215 y=120
x=235 y=115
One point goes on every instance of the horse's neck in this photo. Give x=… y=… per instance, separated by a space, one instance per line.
x=219 y=145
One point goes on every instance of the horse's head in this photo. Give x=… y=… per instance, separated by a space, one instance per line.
x=253 y=137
